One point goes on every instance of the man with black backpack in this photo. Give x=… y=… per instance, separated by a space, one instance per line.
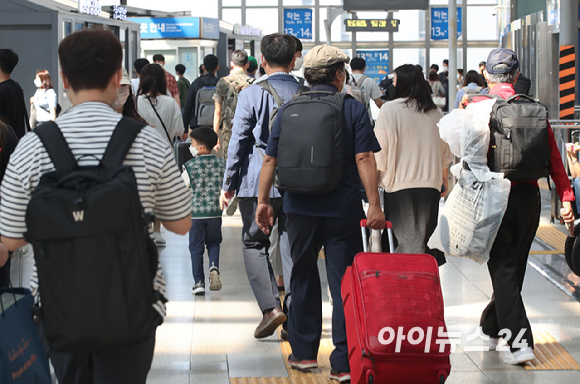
x=321 y=148
x=82 y=190
x=250 y=132
x=199 y=106
x=523 y=148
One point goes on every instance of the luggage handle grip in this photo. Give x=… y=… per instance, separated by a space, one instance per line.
x=389 y=228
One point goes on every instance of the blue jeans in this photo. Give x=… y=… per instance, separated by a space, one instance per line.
x=206 y=232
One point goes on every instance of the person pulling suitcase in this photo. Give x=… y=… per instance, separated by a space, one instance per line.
x=320 y=171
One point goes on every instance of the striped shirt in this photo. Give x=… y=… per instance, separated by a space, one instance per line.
x=87 y=129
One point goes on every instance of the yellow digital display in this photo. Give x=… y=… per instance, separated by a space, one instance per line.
x=373 y=25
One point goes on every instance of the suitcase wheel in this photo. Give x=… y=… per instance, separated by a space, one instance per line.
x=370 y=376
x=441 y=379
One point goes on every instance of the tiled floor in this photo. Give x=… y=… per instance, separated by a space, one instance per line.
x=209 y=339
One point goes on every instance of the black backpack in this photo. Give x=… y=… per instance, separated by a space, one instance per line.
x=519 y=142
x=205 y=106
x=95 y=260
x=310 y=150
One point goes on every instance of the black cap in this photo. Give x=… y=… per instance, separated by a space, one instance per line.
x=502 y=56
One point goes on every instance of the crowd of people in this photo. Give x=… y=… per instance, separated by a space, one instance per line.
x=244 y=116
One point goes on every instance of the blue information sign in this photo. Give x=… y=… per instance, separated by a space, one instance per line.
x=377 y=63
x=298 y=22
x=440 y=23
x=168 y=27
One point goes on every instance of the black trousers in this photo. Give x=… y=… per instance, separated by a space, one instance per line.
x=342 y=241
x=128 y=365
x=507 y=265
x=5 y=273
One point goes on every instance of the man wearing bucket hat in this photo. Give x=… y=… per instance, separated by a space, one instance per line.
x=505 y=316
x=330 y=219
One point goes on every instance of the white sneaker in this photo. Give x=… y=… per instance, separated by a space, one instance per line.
x=519 y=357
x=198 y=289
x=214 y=279
x=159 y=240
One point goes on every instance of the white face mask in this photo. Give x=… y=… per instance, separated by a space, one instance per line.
x=445 y=68
x=298 y=64
x=122 y=96
x=194 y=152
x=38 y=83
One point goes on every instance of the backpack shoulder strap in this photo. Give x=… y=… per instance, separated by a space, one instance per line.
x=121 y=142
x=268 y=88
x=55 y=144
x=362 y=78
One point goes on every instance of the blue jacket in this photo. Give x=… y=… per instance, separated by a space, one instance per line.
x=250 y=127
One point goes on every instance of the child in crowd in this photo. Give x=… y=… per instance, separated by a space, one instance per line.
x=204 y=174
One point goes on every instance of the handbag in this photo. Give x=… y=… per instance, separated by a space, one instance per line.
x=22 y=356
x=439 y=101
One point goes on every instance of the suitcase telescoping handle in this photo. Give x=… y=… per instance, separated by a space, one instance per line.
x=388 y=227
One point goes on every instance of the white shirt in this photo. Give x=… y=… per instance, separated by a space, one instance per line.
x=44 y=102
x=370 y=90
x=87 y=128
x=136 y=83
x=169 y=112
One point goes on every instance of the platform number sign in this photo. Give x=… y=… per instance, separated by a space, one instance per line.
x=298 y=22
x=440 y=23
x=377 y=63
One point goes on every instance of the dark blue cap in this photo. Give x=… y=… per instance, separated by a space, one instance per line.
x=502 y=56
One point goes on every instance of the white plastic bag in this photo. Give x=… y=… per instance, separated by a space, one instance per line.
x=474 y=210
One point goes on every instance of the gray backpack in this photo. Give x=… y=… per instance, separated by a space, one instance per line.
x=310 y=151
x=205 y=106
x=472 y=92
x=519 y=142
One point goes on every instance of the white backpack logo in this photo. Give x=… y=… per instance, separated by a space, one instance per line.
x=78 y=215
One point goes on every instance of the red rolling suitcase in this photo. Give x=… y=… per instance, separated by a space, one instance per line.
x=395 y=326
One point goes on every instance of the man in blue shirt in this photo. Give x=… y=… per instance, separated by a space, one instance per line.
x=250 y=133
x=331 y=219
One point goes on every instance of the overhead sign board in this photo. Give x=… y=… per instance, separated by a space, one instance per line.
x=377 y=63
x=440 y=23
x=210 y=28
x=384 y=5
x=168 y=27
x=373 y=25
x=90 y=7
x=298 y=22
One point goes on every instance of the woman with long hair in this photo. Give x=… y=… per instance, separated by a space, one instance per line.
x=44 y=100
x=472 y=86
x=8 y=142
x=159 y=110
x=413 y=162
x=125 y=103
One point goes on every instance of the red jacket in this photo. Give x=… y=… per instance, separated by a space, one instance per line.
x=557 y=170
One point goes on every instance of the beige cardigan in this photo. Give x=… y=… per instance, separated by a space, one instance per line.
x=413 y=155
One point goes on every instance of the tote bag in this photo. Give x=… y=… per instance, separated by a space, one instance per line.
x=22 y=357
